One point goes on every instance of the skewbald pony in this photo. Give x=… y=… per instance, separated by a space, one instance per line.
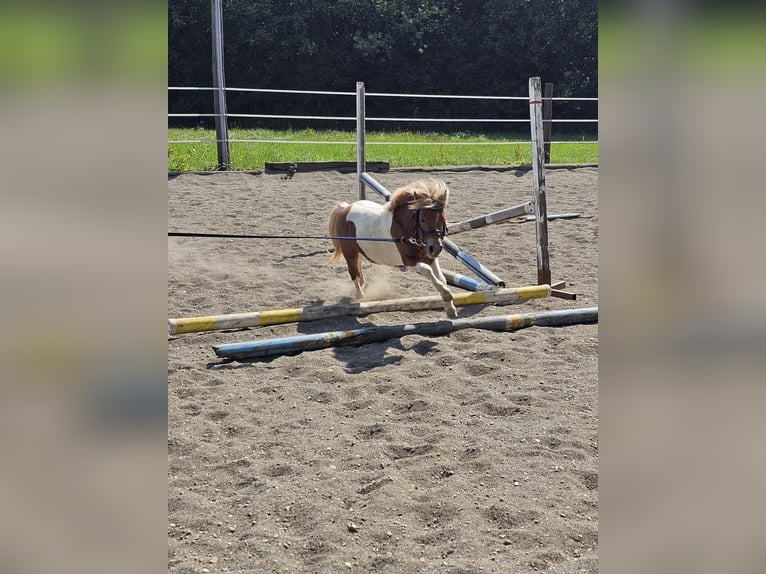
x=413 y=218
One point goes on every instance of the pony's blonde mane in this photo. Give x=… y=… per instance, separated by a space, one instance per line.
x=421 y=194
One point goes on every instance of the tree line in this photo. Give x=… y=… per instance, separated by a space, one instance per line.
x=486 y=47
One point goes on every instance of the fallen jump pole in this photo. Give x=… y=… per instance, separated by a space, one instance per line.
x=465 y=282
x=375 y=186
x=469 y=261
x=313 y=313
x=552 y=217
x=463 y=256
x=298 y=344
x=527 y=208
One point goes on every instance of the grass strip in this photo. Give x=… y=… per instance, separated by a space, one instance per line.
x=400 y=149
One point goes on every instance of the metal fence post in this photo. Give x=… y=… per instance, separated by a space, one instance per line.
x=361 y=165
x=221 y=127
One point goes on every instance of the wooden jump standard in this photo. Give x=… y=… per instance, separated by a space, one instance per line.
x=538 y=185
x=313 y=313
x=364 y=335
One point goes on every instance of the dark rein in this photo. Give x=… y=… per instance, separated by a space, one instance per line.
x=246 y=236
x=418 y=239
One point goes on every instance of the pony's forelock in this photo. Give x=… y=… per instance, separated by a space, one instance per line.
x=421 y=194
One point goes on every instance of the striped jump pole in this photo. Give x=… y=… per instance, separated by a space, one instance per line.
x=465 y=282
x=527 y=208
x=463 y=256
x=470 y=261
x=313 y=313
x=298 y=344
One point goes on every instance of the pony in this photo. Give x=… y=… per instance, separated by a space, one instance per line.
x=409 y=229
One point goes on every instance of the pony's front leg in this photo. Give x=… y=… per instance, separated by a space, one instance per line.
x=434 y=273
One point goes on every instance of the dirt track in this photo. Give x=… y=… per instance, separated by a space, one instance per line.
x=476 y=452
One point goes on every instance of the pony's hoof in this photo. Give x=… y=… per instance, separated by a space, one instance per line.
x=451 y=311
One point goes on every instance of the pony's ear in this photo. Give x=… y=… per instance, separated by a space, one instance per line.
x=415 y=200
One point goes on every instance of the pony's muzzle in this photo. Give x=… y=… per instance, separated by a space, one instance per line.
x=434 y=249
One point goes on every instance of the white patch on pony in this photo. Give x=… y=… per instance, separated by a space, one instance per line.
x=374 y=220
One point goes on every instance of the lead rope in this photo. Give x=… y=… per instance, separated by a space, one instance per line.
x=243 y=236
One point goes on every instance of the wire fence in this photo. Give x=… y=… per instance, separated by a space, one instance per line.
x=376 y=119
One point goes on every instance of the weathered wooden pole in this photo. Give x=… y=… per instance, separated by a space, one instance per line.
x=551 y=217
x=490 y=218
x=361 y=164
x=313 y=313
x=219 y=83
x=293 y=345
x=538 y=180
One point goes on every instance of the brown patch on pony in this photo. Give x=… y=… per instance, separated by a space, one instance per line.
x=339 y=226
x=429 y=195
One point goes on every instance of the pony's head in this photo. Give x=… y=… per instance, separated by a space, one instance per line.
x=427 y=199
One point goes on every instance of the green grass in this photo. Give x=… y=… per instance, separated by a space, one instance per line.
x=253 y=156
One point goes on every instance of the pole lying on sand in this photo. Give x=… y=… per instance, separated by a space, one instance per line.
x=469 y=261
x=280 y=316
x=467 y=283
x=464 y=257
x=293 y=345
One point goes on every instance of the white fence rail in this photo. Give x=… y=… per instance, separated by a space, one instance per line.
x=223 y=117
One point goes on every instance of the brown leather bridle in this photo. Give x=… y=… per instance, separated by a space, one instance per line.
x=421 y=235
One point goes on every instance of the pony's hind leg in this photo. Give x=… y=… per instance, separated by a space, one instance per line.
x=354 y=263
x=434 y=273
x=338 y=226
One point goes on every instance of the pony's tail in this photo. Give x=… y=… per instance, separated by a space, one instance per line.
x=333 y=229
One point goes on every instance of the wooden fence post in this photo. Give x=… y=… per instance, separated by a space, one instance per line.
x=361 y=165
x=221 y=127
x=538 y=180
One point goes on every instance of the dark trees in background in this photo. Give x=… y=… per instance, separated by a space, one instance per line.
x=470 y=47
